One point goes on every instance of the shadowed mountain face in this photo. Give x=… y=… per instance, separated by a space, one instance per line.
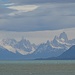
x=8 y=55
x=69 y=54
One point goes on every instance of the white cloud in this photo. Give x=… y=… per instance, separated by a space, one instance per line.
x=25 y=8
x=22 y=8
x=9 y=4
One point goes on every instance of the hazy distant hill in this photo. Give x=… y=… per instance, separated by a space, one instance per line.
x=69 y=54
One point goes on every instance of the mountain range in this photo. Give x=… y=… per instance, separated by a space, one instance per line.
x=10 y=49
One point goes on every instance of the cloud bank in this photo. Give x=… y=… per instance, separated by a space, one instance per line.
x=41 y=1
x=36 y=15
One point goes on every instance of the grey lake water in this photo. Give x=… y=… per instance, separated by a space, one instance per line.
x=38 y=67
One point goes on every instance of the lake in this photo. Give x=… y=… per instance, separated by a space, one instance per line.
x=38 y=67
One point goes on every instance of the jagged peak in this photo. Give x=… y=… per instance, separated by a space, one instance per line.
x=55 y=38
x=48 y=42
x=63 y=35
x=23 y=40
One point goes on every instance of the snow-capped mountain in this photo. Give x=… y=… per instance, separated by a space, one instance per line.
x=49 y=49
x=63 y=37
x=58 y=43
x=24 y=47
x=8 y=44
x=61 y=42
x=54 y=48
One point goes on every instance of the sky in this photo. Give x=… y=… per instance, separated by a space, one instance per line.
x=37 y=15
x=37 y=37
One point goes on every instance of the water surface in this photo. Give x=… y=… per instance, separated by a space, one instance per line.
x=38 y=67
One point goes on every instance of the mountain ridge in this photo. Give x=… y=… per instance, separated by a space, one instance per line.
x=67 y=55
x=24 y=47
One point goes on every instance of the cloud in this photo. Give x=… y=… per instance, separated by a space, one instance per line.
x=22 y=9
x=41 y=1
x=25 y=8
x=9 y=4
x=38 y=17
